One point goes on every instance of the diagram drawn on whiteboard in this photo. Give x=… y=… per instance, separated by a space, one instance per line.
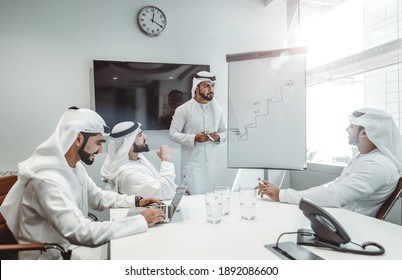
x=267 y=111
x=242 y=135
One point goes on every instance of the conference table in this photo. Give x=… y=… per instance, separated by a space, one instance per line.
x=190 y=237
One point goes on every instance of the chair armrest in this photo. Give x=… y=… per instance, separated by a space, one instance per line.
x=36 y=246
x=23 y=247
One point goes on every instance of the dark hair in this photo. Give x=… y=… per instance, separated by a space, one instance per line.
x=86 y=136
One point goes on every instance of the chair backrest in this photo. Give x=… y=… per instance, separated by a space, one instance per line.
x=9 y=247
x=6 y=237
x=247 y=179
x=387 y=205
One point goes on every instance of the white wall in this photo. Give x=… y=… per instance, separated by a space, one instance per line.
x=47 y=48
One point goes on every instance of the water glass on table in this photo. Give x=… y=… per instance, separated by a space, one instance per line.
x=247 y=200
x=213 y=203
x=225 y=191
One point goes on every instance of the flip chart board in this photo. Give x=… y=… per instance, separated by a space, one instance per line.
x=267 y=109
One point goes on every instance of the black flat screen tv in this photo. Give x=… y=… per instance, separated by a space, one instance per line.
x=141 y=91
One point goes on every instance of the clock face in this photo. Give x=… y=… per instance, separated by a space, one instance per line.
x=151 y=21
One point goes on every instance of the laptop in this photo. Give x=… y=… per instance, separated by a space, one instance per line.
x=169 y=210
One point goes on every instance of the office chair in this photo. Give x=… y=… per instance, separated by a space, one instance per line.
x=387 y=205
x=9 y=247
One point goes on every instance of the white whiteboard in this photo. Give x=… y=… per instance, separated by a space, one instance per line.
x=267 y=109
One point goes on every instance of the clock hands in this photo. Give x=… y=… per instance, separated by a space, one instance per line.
x=158 y=24
x=153 y=21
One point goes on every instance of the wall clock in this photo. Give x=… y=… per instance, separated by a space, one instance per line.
x=151 y=21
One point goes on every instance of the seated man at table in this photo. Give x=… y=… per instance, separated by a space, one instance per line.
x=126 y=170
x=49 y=202
x=370 y=177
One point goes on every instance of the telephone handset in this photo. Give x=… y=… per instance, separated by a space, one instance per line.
x=328 y=232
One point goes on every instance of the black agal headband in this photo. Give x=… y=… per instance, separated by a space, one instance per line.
x=126 y=131
x=213 y=78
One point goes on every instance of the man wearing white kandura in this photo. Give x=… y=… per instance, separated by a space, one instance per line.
x=49 y=203
x=127 y=170
x=370 y=177
x=199 y=127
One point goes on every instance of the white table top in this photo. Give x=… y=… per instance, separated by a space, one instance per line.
x=190 y=237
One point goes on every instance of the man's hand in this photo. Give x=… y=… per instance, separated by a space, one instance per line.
x=164 y=153
x=146 y=201
x=153 y=215
x=268 y=189
x=202 y=137
x=215 y=136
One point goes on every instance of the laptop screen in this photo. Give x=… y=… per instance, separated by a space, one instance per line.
x=181 y=189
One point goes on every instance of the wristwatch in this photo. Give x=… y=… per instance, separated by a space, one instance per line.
x=137 y=201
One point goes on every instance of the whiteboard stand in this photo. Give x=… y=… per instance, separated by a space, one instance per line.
x=283 y=178
x=266 y=174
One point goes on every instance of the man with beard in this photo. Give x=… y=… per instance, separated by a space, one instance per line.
x=50 y=201
x=127 y=170
x=370 y=177
x=199 y=127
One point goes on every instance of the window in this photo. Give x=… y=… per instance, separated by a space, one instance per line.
x=353 y=61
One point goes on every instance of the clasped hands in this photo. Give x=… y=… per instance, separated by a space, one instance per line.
x=266 y=188
x=206 y=136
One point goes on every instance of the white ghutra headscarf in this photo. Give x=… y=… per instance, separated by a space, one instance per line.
x=200 y=77
x=383 y=132
x=120 y=142
x=48 y=162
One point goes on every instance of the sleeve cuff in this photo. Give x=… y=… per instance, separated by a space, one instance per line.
x=282 y=195
x=141 y=222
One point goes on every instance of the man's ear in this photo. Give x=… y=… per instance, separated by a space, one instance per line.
x=79 y=140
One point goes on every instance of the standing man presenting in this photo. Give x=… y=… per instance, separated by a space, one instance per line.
x=199 y=127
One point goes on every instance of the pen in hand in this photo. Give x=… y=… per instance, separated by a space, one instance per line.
x=209 y=136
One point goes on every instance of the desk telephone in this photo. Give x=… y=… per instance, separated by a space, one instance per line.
x=327 y=232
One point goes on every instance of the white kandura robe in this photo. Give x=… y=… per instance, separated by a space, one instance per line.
x=139 y=177
x=198 y=160
x=50 y=200
x=52 y=213
x=362 y=186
